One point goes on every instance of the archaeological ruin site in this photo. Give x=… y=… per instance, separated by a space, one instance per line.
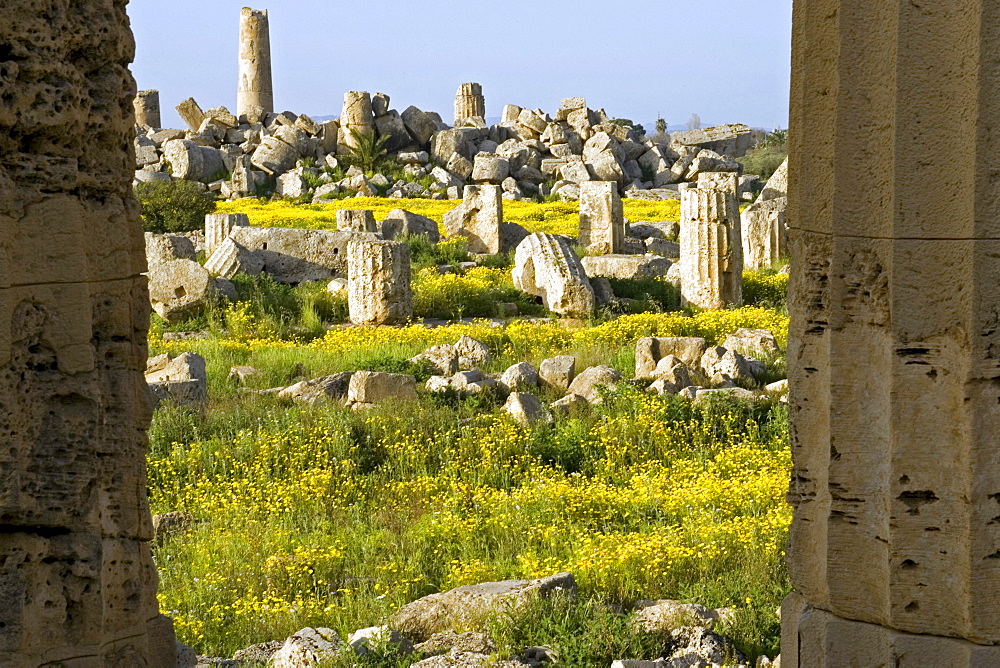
x=396 y=388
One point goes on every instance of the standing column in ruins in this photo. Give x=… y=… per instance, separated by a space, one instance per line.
x=356 y=118
x=469 y=102
x=711 y=250
x=894 y=346
x=78 y=579
x=255 y=94
x=765 y=234
x=602 y=223
x=147 y=108
x=378 y=281
x=218 y=226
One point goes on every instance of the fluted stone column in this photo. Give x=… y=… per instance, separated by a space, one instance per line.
x=894 y=349
x=378 y=281
x=469 y=102
x=255 y=94
x=77 y=581
x=764 y=231
x=711 y=248
x=147 y=108
x=218 y=226
x=602 y=223
x=356 y=117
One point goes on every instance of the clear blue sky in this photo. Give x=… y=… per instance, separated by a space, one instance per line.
x=726 y=60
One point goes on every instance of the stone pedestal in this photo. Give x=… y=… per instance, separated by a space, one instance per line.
x=77 y=580
x=356 y=118
x=894 y=346
x=255 y=93
x=218 y=226
x=711 y=249
x=469 y=102
x=147 y=108
x=378 y=282
x=602 y=224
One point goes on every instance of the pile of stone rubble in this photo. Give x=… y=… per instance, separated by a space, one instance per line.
x=530 y=153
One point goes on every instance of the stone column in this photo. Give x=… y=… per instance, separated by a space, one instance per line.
x=191 y=113
x=357 y=115
x=894 y=349
x=711 y=249
x=255 y=93
x=147 y=108
x=469 y=102
x=78 y=580
x=218 y=226
x=356 y=220
x=602 y=224
x=478 y=217
x=764 y=232
x=378 y=282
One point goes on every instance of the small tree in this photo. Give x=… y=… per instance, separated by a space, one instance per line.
x=174 y=206
x=661 y=125
x=368 y=150
x=694 y=123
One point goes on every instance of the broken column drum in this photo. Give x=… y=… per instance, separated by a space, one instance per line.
x=711 y=249
x=469 y=102
x=147 y=108
x=218 y=226
x=894 y=345
x=356 y=118
x=378 y=282
x=78 y=579
x=602 y=223
x=255 y=94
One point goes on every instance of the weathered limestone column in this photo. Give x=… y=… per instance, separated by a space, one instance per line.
x=469 y=102
x=602 y=223
x=894 y=352
x=191 y=113
x=356 y=220
x=255 y=93
x=478 y=217
x=357 y=115
x=218 y=226
x=378 y=282
x=147 y=108
x=711 y=249
x=77 y=581
x=764 y=231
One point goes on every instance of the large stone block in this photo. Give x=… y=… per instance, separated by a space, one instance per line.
x=378 y=282
x=478 y=218
x=602 y=223
x=545 y=266
x=765 y=233
x=295 y=255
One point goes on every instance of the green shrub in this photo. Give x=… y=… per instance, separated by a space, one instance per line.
x=174 y=206
x=766 y=288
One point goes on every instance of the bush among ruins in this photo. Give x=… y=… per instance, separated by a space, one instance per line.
x=368 y=151
x=767 y=288
x=174 y=206
x=765 y=158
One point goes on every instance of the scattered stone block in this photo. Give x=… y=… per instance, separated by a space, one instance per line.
x=545 y=266
x=378 y=282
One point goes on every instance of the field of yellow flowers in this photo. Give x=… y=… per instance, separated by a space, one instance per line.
x=551 y=217
x=319 y=516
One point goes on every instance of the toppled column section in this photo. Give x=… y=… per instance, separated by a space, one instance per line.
x=218 y=226
x=357 y=118
x=894 y=550
x=78 y=579
x=711 y=249
x=356 y=220
x=378 y=282
x=255 y=94
x=545 y=266
x=478 y=217
x=469 y=102
x=602 y=223
x=191 y=113
x=765 y=233
x=147 y=108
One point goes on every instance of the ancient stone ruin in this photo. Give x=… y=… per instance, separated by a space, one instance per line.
x=470 y=103
x=78 y=580
x=378 y=282
x=147 y=108
x=894 y=550
x=602 y=224
x=711 y=249
x=255 y=93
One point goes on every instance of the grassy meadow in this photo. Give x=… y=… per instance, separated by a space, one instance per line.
x=320 y=516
